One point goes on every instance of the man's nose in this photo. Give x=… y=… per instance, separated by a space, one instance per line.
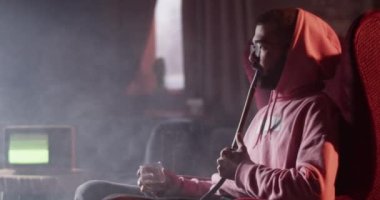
x=250 y=57
x=253 y=58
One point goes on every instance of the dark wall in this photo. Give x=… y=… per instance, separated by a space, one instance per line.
x=338 y=13
x=376 y=4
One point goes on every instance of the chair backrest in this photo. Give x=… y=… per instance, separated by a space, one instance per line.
x=176 y=143
x=359 y=172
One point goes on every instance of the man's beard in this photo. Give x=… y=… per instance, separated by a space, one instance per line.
x=270 y=79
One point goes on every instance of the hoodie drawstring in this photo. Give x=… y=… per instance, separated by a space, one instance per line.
x=271 y=113
x=263 y=122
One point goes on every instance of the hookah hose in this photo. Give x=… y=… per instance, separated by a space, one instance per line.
x=239 y=131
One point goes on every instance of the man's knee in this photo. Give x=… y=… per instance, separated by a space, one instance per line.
x=87 y=189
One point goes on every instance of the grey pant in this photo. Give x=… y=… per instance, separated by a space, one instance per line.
x=98 y=190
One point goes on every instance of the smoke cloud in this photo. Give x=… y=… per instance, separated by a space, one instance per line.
x=69 y=63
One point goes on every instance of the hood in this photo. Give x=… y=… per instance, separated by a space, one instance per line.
x=313 y=56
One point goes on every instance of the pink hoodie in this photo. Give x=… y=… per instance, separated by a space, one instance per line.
x=292 y=141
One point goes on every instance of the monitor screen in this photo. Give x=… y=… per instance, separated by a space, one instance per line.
x=37 y=149
x=28 y=148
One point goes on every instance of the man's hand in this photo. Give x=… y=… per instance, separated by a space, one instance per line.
x=152 y=182
x=230 y=159
x=166 y=183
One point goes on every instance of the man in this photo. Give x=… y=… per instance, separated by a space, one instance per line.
x=291 y=143
x=289 y=150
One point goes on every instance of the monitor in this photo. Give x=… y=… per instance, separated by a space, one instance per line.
x=43 y=149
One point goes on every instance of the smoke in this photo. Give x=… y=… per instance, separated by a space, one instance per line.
x=68 y=63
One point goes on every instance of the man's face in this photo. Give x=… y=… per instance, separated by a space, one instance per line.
x=268 y=54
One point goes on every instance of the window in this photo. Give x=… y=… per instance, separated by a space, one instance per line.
x=169 y=44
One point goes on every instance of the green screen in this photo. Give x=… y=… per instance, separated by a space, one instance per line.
x=28 y=148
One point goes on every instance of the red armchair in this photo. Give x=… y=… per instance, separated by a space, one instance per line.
x=359 y=99
x=366 y=47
